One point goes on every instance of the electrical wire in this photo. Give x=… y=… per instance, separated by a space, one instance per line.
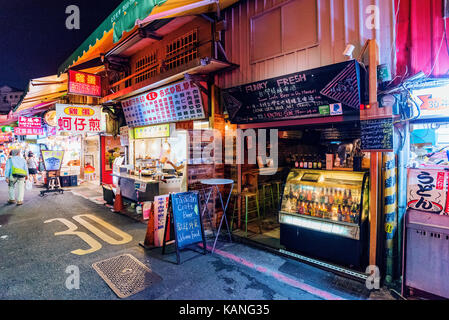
x=437 y=58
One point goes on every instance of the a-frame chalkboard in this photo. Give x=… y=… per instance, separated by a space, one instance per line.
x=185 y=219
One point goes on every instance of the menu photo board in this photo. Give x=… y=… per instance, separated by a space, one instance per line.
x=79 y=118
x=86 y=84
x=178 y=102
x=321 y=92
x=427 y=190
x=377 y=135
x=52 y=160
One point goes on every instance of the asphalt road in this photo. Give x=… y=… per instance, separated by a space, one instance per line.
x=33 y=260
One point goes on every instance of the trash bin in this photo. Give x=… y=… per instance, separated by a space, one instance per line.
x=108 y=194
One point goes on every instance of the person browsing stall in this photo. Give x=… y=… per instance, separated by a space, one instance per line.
x=16 y=172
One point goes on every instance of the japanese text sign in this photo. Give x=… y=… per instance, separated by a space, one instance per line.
x=84 y=84
x=178 y=102
x=78 y=118
x=427 y=190
x=30 y=123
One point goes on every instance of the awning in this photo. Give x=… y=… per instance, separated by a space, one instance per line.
x=42 y=92
x=131 y=13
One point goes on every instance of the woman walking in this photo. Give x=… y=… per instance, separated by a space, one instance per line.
x=32 y=167
x=16 y=173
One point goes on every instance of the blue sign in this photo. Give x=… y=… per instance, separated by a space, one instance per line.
x=186 y=219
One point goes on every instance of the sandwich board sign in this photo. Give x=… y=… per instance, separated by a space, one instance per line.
x=185 y=218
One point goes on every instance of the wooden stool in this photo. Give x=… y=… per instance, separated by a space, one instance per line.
x=250 y=198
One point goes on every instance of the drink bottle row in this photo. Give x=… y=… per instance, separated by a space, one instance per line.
x=327 y=203
x=308 y=161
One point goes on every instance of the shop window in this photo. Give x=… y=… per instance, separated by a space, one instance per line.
x=147 y=62
x=268 y=38
x=182 y=50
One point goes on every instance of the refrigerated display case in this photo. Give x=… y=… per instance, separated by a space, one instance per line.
x=324 y=214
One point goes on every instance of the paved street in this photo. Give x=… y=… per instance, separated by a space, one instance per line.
x=33 y=260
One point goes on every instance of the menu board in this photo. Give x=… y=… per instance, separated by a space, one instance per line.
x=178 y=102
x=320 y=92
x=186 y=219
x=52 y=160
x=377 y=135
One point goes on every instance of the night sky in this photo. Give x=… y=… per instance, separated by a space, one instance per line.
x=34 y=41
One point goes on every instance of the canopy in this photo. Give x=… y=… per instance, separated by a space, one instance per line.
x=130 y=14
x=41 y=93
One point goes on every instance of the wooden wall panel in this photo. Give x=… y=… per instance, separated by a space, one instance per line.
x=339 y=22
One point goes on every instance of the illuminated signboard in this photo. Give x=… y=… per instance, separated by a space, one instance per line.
x=85 y=84
x=78 y=118
x=178 y=102
x=29 y=131
x=52 y=160
x=433 y=102
x=159 y=131
x=30 y=123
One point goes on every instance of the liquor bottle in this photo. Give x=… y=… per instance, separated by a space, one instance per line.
x=314 y=163
x=307 y=209
x=326 y=196
x=301 y=208
x=320 y=210
x=331 y=197
x=314 y=195
x=349 y=200
x=320 y=164
x=322 y=196
x=310 y=165
x=334 y=213
x=301 y=163
x=340 y=214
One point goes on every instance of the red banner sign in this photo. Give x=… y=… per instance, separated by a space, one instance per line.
x=29 y=131
x=85 y=84
x=30 y=123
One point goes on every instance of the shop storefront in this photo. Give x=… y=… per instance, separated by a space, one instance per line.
x=426 y=222
x=315 y=200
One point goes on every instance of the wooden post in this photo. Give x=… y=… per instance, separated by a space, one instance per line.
x=375 y=156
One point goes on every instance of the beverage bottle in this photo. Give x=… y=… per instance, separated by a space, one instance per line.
x=314 y=163
x=310 y=164
x=331 y=196
x=314 y=195
x=349 y=200
x=326 y=196
x=340 y=214
x=320 y=164
x=301 y=163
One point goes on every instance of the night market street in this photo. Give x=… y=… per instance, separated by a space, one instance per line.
x=34 y=260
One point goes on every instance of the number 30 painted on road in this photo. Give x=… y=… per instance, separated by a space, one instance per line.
x=94 y=244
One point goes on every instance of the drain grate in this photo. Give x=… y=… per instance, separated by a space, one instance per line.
x=126 y=275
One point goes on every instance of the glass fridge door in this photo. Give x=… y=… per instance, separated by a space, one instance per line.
x=328 y=201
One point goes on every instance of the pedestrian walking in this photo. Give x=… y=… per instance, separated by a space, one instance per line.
x=3 y=159
x=16 y=172
x=32 y=167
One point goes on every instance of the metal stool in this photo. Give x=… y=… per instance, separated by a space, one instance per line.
x=249 y=198
x=267 y=198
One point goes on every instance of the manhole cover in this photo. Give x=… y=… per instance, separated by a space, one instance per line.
x=126 y=275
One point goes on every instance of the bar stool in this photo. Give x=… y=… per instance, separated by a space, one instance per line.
x=251 y=205
x=277 y=187
x=267 y=197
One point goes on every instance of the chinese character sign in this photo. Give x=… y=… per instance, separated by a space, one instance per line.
x=30 y=123
x=159 y=131
x=52 y=160
x=178 y=102
x=28 y=131
x=78 y=119
x=427 y=190
x=84 y=84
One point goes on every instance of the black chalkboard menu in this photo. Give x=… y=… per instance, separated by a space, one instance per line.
x=320 y=92
x=377 y=135
x=186 y=218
